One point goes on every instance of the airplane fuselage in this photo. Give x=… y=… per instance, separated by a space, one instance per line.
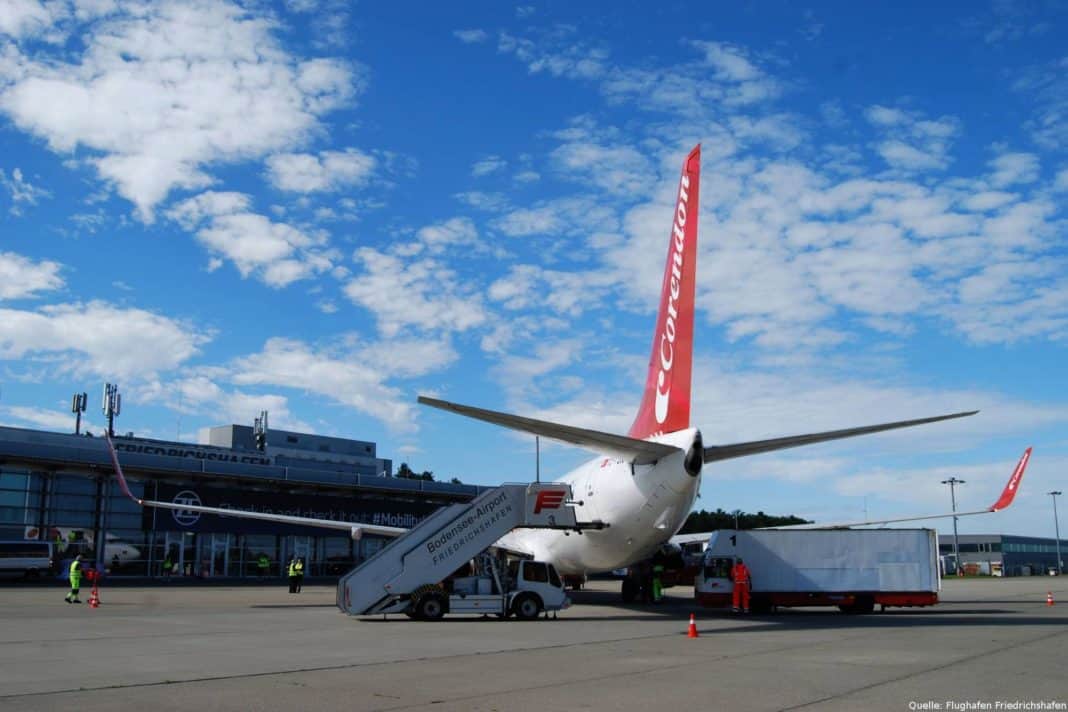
x=642 y=505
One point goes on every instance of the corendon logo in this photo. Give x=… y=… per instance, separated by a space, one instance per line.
x=549 y=499
x=1015 y=479
x=667 y=338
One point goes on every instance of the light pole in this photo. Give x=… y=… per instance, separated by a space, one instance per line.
x=953 y=482
x=1057 y=531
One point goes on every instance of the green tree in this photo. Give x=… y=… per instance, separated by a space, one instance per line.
x=704 y=521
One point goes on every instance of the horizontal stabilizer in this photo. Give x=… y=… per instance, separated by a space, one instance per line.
x=726 y=452
x=640 y=452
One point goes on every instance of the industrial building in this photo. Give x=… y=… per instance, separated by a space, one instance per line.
x=1002 y=554
x=60 y=488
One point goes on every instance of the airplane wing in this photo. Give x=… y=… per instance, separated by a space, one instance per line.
x=726 y=452
x=640 y=452
x=1007 y=495
x=355 y=529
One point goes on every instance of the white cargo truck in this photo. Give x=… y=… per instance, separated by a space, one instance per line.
x=853 y=569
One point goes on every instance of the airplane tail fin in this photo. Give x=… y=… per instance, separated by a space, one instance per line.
x=665 y=405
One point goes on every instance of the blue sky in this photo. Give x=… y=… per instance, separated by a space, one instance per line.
x=323 y=209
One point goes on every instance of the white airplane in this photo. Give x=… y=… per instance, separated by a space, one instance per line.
x=641 y=485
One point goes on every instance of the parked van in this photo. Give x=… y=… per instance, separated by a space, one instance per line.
x=26 y=559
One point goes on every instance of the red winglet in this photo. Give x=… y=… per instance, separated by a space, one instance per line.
x=118 y=470
x=1014 y=483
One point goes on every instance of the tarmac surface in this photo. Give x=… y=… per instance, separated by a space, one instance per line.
x=990 y=642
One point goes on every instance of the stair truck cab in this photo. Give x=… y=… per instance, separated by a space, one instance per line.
x=853 y=569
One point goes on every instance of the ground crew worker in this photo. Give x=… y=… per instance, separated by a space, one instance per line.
x=167 y=566
x=75 y=580
x=299 y=568
x=293 y=575
x=264 y=565
x=742 y=584
x=658 y=584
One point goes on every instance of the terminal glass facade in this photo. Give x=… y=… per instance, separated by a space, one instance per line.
x=76 y=511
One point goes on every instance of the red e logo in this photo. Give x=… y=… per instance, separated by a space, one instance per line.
x=549 y=499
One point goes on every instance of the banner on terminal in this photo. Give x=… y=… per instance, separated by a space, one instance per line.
x=355 y=509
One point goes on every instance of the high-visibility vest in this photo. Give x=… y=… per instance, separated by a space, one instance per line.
x=292 y=568
x=299 y=568
x=75 y=570
x=264 y=562
x=167 y=564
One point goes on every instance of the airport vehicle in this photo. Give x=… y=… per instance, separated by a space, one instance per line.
x=524 y=589
x=26 y=559
x=642 y=485
x=853 y=569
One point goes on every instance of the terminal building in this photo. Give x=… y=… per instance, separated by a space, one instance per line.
x=61 y=488
x=1002 y=554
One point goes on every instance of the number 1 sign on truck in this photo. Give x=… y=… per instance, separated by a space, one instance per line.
x=853 y=569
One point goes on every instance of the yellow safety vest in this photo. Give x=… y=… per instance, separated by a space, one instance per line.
x=75 y=570
x=292 y=568
x=299 y=566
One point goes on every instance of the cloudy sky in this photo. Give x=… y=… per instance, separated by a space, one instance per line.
x=322 y=209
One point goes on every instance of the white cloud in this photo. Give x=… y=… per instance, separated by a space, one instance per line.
x=565 y=59
x=159 y=94
x=98 y=338
x=353 y=376
x=455 y=231
x=912 y=143
x=330 y=170
x=276 y=253
x=471 y=36
x=56 y=420
x=27 y=18
x=487 y=165
x=1012 y=168
x=1060 y=184
x=423 y=294
x=21 y=190
x=21 y=277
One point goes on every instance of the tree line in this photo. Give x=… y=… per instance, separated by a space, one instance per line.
x=704 y=521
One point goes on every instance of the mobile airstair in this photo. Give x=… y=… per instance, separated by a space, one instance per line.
x=450 y=537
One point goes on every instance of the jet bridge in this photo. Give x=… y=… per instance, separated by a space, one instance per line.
x=450 y=537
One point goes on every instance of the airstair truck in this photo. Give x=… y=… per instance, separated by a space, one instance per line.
x=853 y=569
x=413 y=573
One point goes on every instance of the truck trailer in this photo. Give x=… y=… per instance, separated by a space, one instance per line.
x=853 y=569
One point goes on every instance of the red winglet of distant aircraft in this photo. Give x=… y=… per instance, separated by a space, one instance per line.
x=1013 y=484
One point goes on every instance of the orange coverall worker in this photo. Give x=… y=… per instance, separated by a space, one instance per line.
x=742 y=584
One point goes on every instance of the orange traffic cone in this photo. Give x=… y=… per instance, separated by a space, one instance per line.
x=94 y=599
x=1049 y=598
x=692 y=632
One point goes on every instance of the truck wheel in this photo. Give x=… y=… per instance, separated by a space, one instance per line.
x=760 y=605
x=431 y=607
x=864 y=604
x=527 y=607
x=630 y=590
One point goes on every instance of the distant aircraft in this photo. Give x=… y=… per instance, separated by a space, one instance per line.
x=116 y=551
x=641 y=485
